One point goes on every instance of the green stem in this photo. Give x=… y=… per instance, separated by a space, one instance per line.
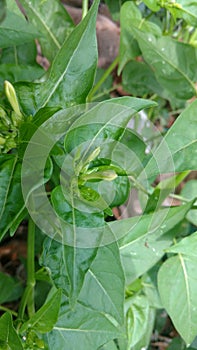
x=103 y=78
x=3 y=308
x=84 y=8
x=28 y=295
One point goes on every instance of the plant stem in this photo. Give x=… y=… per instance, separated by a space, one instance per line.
x=3 y=308
x=84 y=8
x=28 y=296
x=103 y=78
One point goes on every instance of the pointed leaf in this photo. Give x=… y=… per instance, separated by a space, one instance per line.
x=72 y=72
x=178 y=288
x=8 y=336
x=83 y=326
x=52 y=21
x=14 y=30
x=105 y=279
x=45 y=318
x=187 y=246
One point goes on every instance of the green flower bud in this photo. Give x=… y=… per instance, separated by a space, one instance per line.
x=108 y=175
x=11 y=96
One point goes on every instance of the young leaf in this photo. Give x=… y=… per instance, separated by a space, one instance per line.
x=178 y=288
x=84 y=326
x=15 y=30
x=52 y=20
x=72 y=72
x=46 y=317
x=9 y=338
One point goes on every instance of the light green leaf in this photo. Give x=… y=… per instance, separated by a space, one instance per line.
x=14 y=30
x=177 y=151
x=146 y=337
x=83 y=326
x=137 y=318
x=105 y=279
x=185 y=9
x=146 y=239
x=52 y=21
x=152 y=4
x=46 y=317
x=72 y=72
x=178 y=287
x=8 y=336
x=187 y=246
x=172 y=62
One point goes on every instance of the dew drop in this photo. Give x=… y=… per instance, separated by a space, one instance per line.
x=163 y=49
x=150 y=39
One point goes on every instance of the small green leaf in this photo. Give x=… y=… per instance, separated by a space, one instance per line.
x=8 y=336
x=46 y=317
x=187 y=246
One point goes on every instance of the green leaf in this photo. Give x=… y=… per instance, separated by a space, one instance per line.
x=150 y=288
x=145 y=238
x=177 y=151
x=45 y=318
x=177 y=288
x=14 y=73
x=15 y=30
x=146 y=337
x=162 y=190
x=137 y=318
x=105 y=279
x=187 y=246
x=11 y=289
x=189 y=191
x=83 y=326
x=152 y=5
x=72 y=72
x=172 y=62
x=185 y=9
x=8 y=336
x=2 y=10
x=10 y=184
x=114 y=7
x=52 y=21
x=139 y=79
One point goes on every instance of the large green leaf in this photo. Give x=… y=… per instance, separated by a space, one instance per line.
x=83 y=326
x=52 y=21
x=15 y=30
x=98 y=281
x=146 y=238
x=11 y=199
x=9 y=338
x=177 y=151
x=173 y=62
x=46 y=317
x=178 y=287
x=72 y=72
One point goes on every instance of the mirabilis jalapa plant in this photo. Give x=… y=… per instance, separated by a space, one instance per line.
x=64 y=165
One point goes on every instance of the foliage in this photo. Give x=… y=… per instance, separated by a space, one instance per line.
x=66 y=164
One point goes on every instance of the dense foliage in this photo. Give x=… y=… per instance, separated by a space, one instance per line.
x=66 y=161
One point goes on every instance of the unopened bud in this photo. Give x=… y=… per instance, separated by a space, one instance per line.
x=11 y=96
x=108 y=175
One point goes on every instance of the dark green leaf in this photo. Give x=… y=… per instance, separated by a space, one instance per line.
x=15 y=30
x=178 y=288
x=23 y=54
x=11 y=289
x=45 y=318
x=72 y=72
x=2 y=10
x=8 y=336
x=52 y=21
x=11 y=198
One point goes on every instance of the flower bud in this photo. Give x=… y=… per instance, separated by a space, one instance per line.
x=11 y=96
